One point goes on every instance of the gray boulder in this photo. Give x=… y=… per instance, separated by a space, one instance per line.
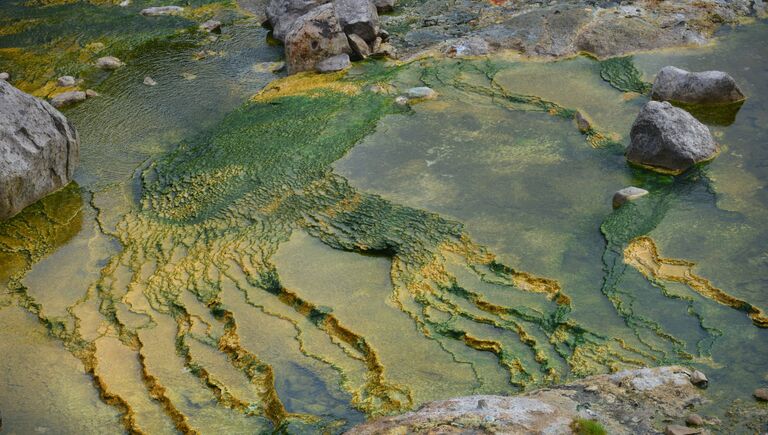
x=358 y=17
x=706 y=87
x=162 y=10
x=39 y=149
x=669 y=139
x=282 y=14
x=67 y=98
x=315 y=36
x=333 y=63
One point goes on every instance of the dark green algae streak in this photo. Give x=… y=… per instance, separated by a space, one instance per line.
x=215 y=210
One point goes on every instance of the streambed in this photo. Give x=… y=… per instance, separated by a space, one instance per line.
x=318 y=255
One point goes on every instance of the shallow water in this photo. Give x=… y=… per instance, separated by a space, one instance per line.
x=320 y=255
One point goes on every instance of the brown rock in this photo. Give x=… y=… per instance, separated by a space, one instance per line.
x=761 y=394
x=314 y=36
x=359 y=46
x=694 y=420
x=674 y=429
x=699 y=379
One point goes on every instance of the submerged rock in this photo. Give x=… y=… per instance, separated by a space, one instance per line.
x=421 y=92
x=109 y=63
x=334 y=63
x=65 y=81
x=161 y=10
x=314 y=37
x=67 y=98
x=149 y=81
x=669 y=139
x=626 y=402
x=358 y=17
x=282 y=14
x=706 y=87
x=630 y=193
x=38 y=151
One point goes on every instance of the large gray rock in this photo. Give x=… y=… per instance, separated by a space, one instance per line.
x=39 y=150
x=315 y=36
x=358 y=17
x=281 y=14
x=706 y=87
x=669 y=139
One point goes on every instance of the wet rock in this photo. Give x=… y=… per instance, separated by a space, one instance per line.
x=401 y=100
x=67 y=98
x=333 y=63
x=674 y=429
x=384 y=5
x=5 y=76
x=90 y=93
x=314 y=37
x=694 y=420
x=38 y=152
x=282 y=14
x=706 y=87
x=761 y=394
x=625 y=402
x=109 y=63
x=699 y=379
x=149 y=81
x=65 y=81
x=161 y=10
x=669 y=139
x=467 y=47
x=358 y=17
x=582 y=122
x=422 y=92
x=626 y=194
x=359 y=46
x=211 y=26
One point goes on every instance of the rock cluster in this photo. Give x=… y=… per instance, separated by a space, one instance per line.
x=39 y=150
x=318 y=34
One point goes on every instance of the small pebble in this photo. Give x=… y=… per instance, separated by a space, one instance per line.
x=65 y=81
x=401 y=100
x=90 y=93
x=149 y=81
x=699 y=379
x=5 y=76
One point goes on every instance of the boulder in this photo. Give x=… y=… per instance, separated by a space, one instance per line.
x=161 y=10
x=109 y=63
x=65 y=81
x=5 y=76
x=669 y=139
x=39 y=149
x=67 y=98
x=358 y=17
x=282 y=14
x=211 y=26
x=314 y=37
x=359 y=46
x=706 y=87
x=626 y=194
x=384 y=5
x=333 y=63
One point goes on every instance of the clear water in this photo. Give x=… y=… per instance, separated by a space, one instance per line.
x=320 y=255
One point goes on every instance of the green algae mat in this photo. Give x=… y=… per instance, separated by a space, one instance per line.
x=244 y=253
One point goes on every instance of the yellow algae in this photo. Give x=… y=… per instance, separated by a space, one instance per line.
x=643 y=255
x=306 y=83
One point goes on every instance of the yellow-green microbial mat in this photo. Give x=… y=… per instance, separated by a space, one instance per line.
x=296 y=258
